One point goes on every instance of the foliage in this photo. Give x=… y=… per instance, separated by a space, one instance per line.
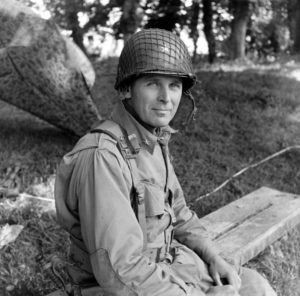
x=96 y=12
x=272 y=28
x=165 y=14
x=130 y=19
x=268 y=32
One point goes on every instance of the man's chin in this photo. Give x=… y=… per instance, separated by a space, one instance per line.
x=161 y=123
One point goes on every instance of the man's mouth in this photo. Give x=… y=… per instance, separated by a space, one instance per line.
x=162 y=110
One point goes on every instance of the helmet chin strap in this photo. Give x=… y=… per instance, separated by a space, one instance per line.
x=192 y=115
x=124 y=93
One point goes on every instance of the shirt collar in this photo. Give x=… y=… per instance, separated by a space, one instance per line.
x=134 y=129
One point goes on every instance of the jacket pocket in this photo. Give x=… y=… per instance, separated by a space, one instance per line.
x=154 y=200
x=157 y=218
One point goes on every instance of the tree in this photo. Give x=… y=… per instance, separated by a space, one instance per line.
x=297 y=31
x=72 y=9
x=208 y=29
x=241 y=11
x=193 y=26
x=294 y=23
x=66 y=14
x=267 y=32
x=165 y=14
x=280 y=35
x=130 y=20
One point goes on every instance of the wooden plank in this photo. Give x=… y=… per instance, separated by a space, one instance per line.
x=243 y=228
x=229 y=216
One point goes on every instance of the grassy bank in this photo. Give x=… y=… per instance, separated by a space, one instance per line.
x=243 y=117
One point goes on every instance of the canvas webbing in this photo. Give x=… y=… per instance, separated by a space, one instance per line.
x=129 y=148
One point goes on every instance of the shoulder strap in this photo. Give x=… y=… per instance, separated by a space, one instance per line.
x=129 y=148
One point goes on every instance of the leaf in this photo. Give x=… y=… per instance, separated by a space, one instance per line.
x=9 y=233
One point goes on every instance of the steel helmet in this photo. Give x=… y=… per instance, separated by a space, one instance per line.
x=154 y=51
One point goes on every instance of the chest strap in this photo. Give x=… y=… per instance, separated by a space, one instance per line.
x=129 y=148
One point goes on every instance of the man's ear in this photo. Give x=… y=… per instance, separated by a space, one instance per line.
x=125 y=94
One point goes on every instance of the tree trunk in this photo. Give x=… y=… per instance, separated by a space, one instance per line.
x=72 y=10
x=242 y=10
x=291 y=15
x=208 y=29
x=130 y=18
x=297 y=27
x=194 y=34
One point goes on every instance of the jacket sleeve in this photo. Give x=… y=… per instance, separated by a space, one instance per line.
x=188 y=229
x=111 y=231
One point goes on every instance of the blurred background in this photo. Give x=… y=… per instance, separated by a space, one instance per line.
x=231 y=29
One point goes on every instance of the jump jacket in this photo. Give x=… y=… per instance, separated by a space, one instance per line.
x=92 y=192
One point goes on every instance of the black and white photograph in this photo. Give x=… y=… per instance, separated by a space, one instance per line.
x=149 y=148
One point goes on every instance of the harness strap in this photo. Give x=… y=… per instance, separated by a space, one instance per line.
x=129 y=148
x=139 y=200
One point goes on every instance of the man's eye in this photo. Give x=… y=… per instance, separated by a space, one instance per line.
x=151 y=83
x=176 y=85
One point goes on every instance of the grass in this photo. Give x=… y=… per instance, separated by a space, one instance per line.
x=243 y=117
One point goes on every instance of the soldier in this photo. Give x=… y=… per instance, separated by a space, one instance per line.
x=119 y=198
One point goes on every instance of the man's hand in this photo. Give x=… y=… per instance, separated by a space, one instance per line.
x=226 y=290
x=220 y=271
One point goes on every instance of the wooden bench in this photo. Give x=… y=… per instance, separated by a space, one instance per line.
x=245 y=227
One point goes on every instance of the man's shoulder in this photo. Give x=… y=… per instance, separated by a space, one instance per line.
x=104 y=136
x=110 y=128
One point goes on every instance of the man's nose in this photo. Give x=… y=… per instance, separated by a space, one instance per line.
x=164 y=95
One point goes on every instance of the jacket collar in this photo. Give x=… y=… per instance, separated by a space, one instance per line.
x=135 y=130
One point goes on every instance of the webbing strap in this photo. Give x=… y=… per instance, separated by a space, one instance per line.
x=102 y=131
x=139 y=200
x=113 y=130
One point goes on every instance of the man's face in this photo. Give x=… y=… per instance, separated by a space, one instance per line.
x=155 y=98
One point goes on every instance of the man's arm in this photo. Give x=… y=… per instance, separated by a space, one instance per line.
x=189 y=231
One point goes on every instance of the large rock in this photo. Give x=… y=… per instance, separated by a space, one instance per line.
x=43 y=72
